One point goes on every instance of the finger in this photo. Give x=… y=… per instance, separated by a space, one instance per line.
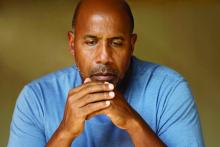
x=87 y=80
x=77 y=89
x=98 y=87
x=92 y=87
x=94 y=114
x=95 y=97
x=88 y=84
x=93 y=107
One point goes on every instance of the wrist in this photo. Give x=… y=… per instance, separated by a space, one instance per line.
x=134 y=125
x=65 y=134
x=60 y=138
x=142 y=135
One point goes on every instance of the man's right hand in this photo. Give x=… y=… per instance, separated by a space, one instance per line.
x=81 y=102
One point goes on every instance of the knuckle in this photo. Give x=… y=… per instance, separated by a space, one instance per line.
x=97 y=105
x=105 y=87
x=89 y=88
x=69 y=100
x=106 y=95
x=92 y=97
x=103 y=103
x=89 y=106
x=69 y=95
x=87 y=97
x=71 y=92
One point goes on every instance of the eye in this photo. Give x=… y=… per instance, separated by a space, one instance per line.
x=91 y=42
x=116 y=43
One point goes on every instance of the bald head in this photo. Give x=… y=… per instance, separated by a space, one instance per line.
x=102 y=41
x=119 y=8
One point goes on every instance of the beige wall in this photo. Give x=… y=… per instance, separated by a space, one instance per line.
x=181 y=34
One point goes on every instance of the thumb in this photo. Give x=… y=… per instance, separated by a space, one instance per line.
x=87 y=80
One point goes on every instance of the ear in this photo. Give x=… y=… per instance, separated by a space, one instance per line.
x=71 y=43
x=133 y=41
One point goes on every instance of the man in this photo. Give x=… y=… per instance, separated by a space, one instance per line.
x=109 y=98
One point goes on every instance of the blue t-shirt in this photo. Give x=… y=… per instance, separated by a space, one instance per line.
x=160 y=95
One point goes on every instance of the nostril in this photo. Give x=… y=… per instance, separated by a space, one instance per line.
x=103 y=59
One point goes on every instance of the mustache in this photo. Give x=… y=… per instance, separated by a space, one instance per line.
x=103 y=70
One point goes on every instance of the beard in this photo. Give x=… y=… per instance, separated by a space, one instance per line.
x=105 y=73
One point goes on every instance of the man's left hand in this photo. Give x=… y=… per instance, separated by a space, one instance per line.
x=120 y=112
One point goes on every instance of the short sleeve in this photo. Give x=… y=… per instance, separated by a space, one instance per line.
x=26 y=128
x=179 y=124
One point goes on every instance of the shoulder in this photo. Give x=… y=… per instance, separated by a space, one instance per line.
x=50 y=86
x=62 y=77
x=153 y=71
x=170 y=103
x=58 y=75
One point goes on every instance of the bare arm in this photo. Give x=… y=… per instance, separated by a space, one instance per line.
x=81 y=101
x=142 y=135
x=126 y=118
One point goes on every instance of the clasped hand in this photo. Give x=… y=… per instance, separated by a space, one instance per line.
x=94 y=98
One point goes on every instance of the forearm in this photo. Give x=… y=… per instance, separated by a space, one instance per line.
x=142 y=135
x=60 y=138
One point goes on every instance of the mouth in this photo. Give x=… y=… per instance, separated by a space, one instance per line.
x=103 y=77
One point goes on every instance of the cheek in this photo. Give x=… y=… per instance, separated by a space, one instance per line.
x=122 y=61
x=83 y=60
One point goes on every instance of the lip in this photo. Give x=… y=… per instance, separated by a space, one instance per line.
x=103 y=77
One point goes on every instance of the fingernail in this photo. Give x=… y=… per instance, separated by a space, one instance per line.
x=107 y=103
x=87 y=80
x=111 y=86
x=111 y=94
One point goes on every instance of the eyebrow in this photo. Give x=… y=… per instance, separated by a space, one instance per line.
x=90 y=36
x=118 y=38
x=111 y=38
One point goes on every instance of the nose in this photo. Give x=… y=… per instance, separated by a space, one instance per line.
x=103 y=54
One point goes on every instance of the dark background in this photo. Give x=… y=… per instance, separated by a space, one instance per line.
x=182 y=34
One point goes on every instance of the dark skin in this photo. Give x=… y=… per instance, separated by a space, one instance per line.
x=102 y=46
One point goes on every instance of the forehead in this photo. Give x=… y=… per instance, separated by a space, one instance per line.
x=102 y=22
